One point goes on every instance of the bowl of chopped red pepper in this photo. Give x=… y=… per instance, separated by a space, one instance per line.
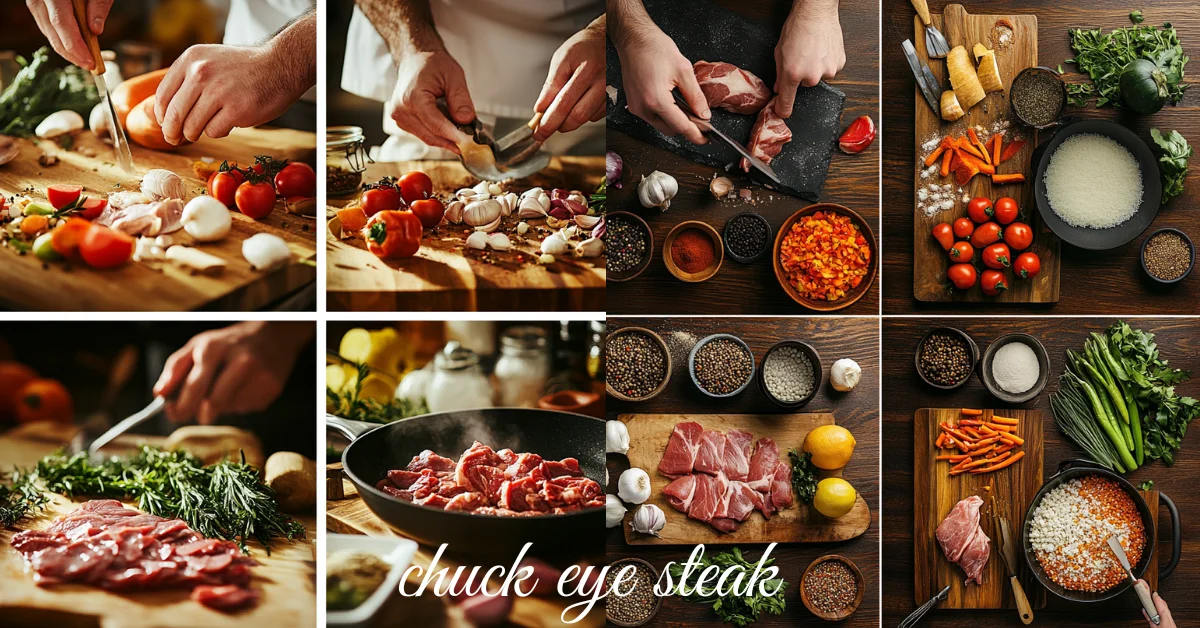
x=693 y=251
x=824 y=257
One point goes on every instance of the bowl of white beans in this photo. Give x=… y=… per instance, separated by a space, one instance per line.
x=790 y=373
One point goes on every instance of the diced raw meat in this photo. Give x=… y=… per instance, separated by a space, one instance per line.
x=731 y=88
x=522 y=465
x=736 y=458
x=682 y=448
x=429 y=460
x=767 y=137
x=712 y=452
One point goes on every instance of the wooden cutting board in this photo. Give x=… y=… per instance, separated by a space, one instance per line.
x=929 y=269
x=648 y=436
x=935 y=492
x=26 y=285
x=446 y=276
x=286 y=578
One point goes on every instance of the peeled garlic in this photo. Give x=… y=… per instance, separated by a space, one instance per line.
x=634 y=486
x=586 y=222
x=591 y=247
x=648 y=519
x=495 y=189
x=720 y=187
x=478 y=240
x=555 y=243
x=159 y=184
x=545 y=259
x=616 y=438
x=522 y=228
x=499 y=241
x=59 y=123
x=845 y=375
x=657 y=189
x=454 y=211
x=614 y=511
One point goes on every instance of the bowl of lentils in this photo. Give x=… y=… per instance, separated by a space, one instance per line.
x=790 y=373
x=628 y=245
x=637 y=364
x=721 y=365
x=946 y=357
x=1168 y=256
x=832 y=587
x=747 y=237
x=639 y=604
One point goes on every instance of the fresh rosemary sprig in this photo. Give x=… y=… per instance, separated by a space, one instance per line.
x=19 y=496
x=350 y=405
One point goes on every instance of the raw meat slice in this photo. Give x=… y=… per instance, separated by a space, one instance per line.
x=731 y=88
x=781 y=486
x=736 y=458
x=153 y=218
x=768 y=136
x=955 y=531
x=712 y=449
x=680 y=456
x=522 y=465
x=740 y=501
x=723 y=524
x=680 y=492
x=975 y=556
x=227 y=598
x=762 y=465
x=706 y=498
x=429 y=460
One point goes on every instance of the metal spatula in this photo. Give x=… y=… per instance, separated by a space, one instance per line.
x=935 y=43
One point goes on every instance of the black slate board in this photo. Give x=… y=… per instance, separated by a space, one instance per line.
x=704 y=31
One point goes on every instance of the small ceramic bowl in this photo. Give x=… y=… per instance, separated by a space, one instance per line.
x=1016 y=82
x=974 y=348
x=1191 y=250
x=859 y=583
x=645 y=263
x=766 y=241
x=395 y=551
x=666 y=357
x=718 y=251
x=615 y=568
x=852 y=295
x=813 y=357
x=692 y=364
x=989 y=356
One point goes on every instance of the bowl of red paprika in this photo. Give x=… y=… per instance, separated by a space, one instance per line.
x=693 y=251
x=821 y=237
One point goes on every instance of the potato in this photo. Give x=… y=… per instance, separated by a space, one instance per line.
x=214 y=443
x=294 y=480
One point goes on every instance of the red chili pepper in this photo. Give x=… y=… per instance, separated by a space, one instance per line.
x=858 y=136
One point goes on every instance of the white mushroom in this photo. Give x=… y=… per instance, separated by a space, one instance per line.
x=59 y=123
x=265 y=251
x=206 y=219
x=98 y=121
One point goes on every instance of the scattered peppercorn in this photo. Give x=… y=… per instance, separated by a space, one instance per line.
x=1167 y=256
x=945 y=359
x=723 y=366
x=636 y=364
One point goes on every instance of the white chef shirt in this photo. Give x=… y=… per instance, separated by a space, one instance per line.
x=252 y=21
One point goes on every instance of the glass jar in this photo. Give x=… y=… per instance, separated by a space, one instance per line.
x=345 y=160
x=595 y=352
x=458 y=381
x=523 y=367
x=478 y=336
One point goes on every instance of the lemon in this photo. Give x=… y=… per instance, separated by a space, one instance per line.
x=381 y=349
x=378 y=387
x=340 y=377
x=830 y=445
x=835 y=497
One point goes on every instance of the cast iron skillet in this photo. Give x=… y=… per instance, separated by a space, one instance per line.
x=1073 y=469
x=1100 y=239
x=376 y=449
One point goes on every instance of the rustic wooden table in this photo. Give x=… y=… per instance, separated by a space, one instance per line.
x=904 y=392
x=855 y=338
x=1092 y=283
x=737 y=288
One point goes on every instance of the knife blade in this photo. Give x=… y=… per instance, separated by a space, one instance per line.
x=120 y=142
x=1143 y=591
x=931 y=91
x=152 y=410
x=707 y=127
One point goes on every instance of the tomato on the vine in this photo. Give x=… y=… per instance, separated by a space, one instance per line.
x=1019 y=236
x=1006 y=210
x=980 y=210
x=1027 y=266
x=393 y=234
x=255 y=200
x=415 y=186
x=379 y=197
x=296 y=179
x=223 y=185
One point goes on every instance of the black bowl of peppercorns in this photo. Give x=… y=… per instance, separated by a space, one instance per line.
x=946 y=357
x=747 y=237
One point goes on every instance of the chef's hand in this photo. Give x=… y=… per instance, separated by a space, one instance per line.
x=651 y=66
x=56 y=20
x=809 y=50
x=574 y=91
x=234 y=370
x=1164 y=613
x=424 y=77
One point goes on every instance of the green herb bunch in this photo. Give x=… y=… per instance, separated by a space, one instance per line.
x=1103 y=56
x=598 y=201
x=738 y=610
x=350 y=405
x=19 y=496
x=39 y=89
x=804 y=476
x=1173 y=154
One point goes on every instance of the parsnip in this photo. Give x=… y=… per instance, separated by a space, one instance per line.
x=951 y=110
x=294 y=480
x=988 y=70
x=214 y=443
x=963 y=78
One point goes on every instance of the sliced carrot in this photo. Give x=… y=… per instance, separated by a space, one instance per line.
x=997 y=140
x=942 y=147
x=972 y=431
x=971 y=422
x=971 y=412
x=987 y=159
x=965 y=145
x=1000 y=465
x=1000 y=428
x=941 y=439
x=952 y=457
x=1013 y=438
x=1005 y=448
x=1001 y=179
x=1003 y=420
x=947 y=157
x=987 y=430
x=983 y=443
x=978 y=163
x=1012 y=149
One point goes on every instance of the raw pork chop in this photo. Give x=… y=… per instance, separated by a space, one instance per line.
x=731 y=88
x=153 y=218
x=962 y=540
x=768 y=136
x=682 y=448
x=736 y=459
x=762 y=465
x=710 y=457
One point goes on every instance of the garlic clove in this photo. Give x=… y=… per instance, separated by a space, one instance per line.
x=614 y=511
x=616 y=438
x=522 y=228
x=495 y=189
x=265 y=251
x=477 y=240
x=634 y=486
x=454 y=211
x=587 y=223
x=555 y=243
x=491 y=226
x=720 y=187
x=499 y=241
x=545 y=259
x=591 y=247
x=206 y=219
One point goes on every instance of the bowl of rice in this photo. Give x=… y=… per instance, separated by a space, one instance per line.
x=1097 y=185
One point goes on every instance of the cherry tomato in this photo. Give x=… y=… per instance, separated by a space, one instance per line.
x=223 y=186
x=980 y=210
x=255 y=200
x=1006 y=210
x=429 y=210
x=66 y=238
x=1027 y=266
x=91 y=208
x=380 y=198
x=997 y=256
x=963 y=228
x=962 y=252
x=296 y=179
x=393 y=234
x=962 y=275
x=1018 y=235
x=61 y=196
x=985 y=235
x=944 y=234
x=415 y=186
x=102 y=247
x=992 y=282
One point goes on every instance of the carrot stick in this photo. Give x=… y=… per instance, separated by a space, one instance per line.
x=945 y=144
x=971 y=422
x=966 y=145
x=987 y=430
x=997 y=140
x=940 y=439
x=978 y=144
x=983 y=443
x=1001 y=464
x=972 y=431
x=1013 y=438
x=1001 y=179
x=952 y=457
x=947 y=156
x=963 y=464
x=971 y=412
x=1001 y=428
x=979 y=163
x=1005 y=448
x=1011 y=150
x=1003 y=420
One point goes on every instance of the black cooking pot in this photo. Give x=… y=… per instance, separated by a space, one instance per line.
x=1073 y=469
x=375 y=449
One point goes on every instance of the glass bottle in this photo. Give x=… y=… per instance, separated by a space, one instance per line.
x=458 y=381
x=523 y=367
x=595 y=351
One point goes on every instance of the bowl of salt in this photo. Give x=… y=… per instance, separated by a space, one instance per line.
x=1015 y=368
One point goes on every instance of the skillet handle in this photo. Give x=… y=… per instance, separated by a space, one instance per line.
x=1176 y=539
x=347 y=427
x=1071 y=463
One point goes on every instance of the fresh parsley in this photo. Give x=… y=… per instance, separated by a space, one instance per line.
x=1103 y=56
x=1173 y=153
x=1147 y=485
x=1135 y=16
x=1165 y=415
x=735 y=609
x=804 y=476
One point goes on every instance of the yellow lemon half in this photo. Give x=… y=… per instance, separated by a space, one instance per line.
x=830 y=445
x=835 y=497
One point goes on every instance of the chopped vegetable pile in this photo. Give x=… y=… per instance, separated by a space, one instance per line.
x=824 y=256
x=979 y=444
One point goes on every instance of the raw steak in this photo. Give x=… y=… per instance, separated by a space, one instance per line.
x=762 y=465
x=962 y=540
x=731 y=88
x=768 y=136
x=682 y=448
x=710 y=458
x=736 y=458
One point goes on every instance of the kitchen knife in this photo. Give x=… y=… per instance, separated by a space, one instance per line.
x=120 y=142
x=707 y=127
x=150 y=411
x=931 y=89
x=1143 y=591
x=1008 y=552
x=916 y=615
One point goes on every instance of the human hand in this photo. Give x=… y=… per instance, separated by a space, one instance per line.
x=1164 y=613
x=809 y=50
x=651 y=66
x=56 y=20
x=424 y=77
x=574 y=91
x=233 y=370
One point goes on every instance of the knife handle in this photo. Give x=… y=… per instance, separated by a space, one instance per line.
x=1022 y=601
x=535 y=121
x=1143 y=593
x=922 y=10
x=89 y=37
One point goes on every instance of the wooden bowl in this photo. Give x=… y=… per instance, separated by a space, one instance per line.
x=641 y=267
x=615 y=568
x=853 y=295
x=858 y=582
x=718 y=251
x=666 y=352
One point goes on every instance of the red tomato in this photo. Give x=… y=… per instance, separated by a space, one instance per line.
x=992 y=282
x=61 y=196
x=429 y=210
x=296 y=179
x=67 y=236
x=986 y=235
x=1027 y=266
x=415 y=186
x=962 y=275
x=1018 y=235
x=1006 y=210
x=255 y=200
x=962 y=252
x=380 y=198
x=223 y=186
x=944 y=234
x=980 y=210
x=963 y=228
x=91 y=208
x=102 y=247
x=393 y=234
x=997 y=256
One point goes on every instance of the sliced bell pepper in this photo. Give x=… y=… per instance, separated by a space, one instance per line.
x=1012 y=149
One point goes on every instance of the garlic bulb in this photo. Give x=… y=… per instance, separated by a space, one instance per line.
x=845 y=375
x=479 y=213
x=634 y=486
x=477 y=240
x=591 y=247
x=555 y=243
x=454 y=211
x=657 y=189
x=206 y=219
x=720 y=187
x=648 y=519
x=616 y=438
x=59 y=123
x=614 y=511
x=159 y=184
